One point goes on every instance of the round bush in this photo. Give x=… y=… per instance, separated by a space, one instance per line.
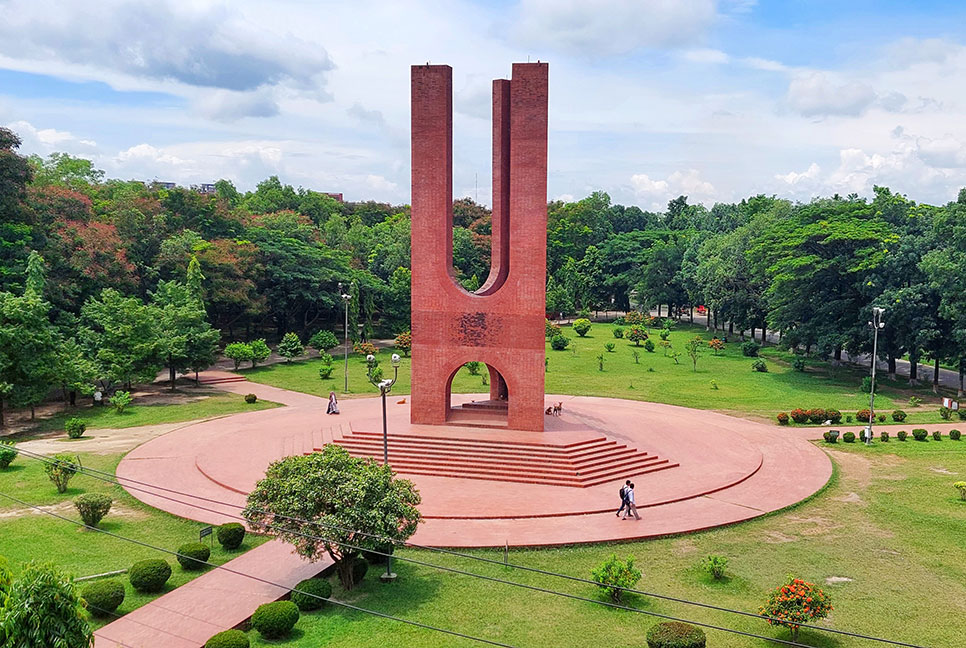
x=884 y=436
x=937 y=435
x=75 y=427
x=7 y=454
x=919 y=434
x=359 y=569
x=816 y=415
x=92 y=507
x=831 y=436
x=901 y=435
x=193 y=555
x=309 y=593
x=898 y=416
x=581 y=326
x=834 y=416
x=618 y=332
x=782 y=418
x=759 y=365
x=104 y=596
x=954 y=435
x=750 y=349
x=799 y=415
x=230 y=535
x=228 y=639
x=559 y=342
x=149 y=575
x=250 y=398
x=862 y=416
x=849 y=437
x=674 y=634
x=275 y=620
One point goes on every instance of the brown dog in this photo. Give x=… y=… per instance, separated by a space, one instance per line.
x=557 y=408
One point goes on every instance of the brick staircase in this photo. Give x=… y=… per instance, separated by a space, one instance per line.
x=587 y=462
x=221 y=380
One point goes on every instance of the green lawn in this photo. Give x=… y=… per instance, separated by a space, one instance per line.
x=890 y=521
x=656 y=377
x=26 y=535
x=216 y=403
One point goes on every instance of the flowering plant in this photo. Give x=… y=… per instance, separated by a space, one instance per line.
x=794 y=603
x=799 y=415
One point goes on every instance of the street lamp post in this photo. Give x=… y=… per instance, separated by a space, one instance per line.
x=345 y=299
x=384 y=387
x=876 y=324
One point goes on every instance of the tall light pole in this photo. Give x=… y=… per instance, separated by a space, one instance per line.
x=876 y=324
x=384 y=387
x=345 y=300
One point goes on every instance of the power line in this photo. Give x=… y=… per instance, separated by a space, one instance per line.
x=111 y=479
x=264 y=581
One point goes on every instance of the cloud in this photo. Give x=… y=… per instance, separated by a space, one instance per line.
x=766 y=65
x=706 y=56
x=679 y=183
x=793 y=178
x=947 y=152
x=819 y=94
x=228 y=105
x=611 y=27
x=195 y=44
x=48 y=140
x=366 y=116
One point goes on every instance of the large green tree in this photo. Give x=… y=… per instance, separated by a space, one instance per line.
x=121 y=335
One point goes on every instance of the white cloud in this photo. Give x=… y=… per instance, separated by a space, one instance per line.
x=679 y=183
x=820 y=94
x=229 y=105
x=706 y=56
x=946 y=152
x=608 y=27
x=48 y=140
x=793 y=178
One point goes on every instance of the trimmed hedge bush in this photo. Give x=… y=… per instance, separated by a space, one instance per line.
x=919 y=434
x=275 y=620
x=816 y=415
x=92 y=507
x=901 y=435
x=251 y=398
x=618 y=332
x=759 y=365
x=750 y=349
x=7 y=454
x=559 y=342
x=581 y=326
x=230 y=535
x=884 y=436
x=229 y=639
x=674 y=634
x=193 y=556
x=782 y=418
x=149 y=575
x=832 y=436
x=937 y=435
x=898 y=416
x=834 y=416
x=313 y=588
x=954 y=435
x=799 y=415
x=75 y=427
x=849 y=437
x=103 y=596
x=862 y=416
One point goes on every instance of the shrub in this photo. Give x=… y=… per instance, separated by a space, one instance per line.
x=832 y=436
x=750 y=349
x=327 y=366
x=473 y=366
x=665 y=333
x=323 y=341
x=798 y=363
x=365 y=348
x=649 y=346
x=193 y=556
x=834 y=416
x=120 y=400
x=613 y=576
x=637 y=334
x=550 y=330
x=229 y=639
x=581 y=326
x=404 y=342
x=799 y=415
x=636 y=355
x=620 y=321
x=954 y=435
x=149 y=575
x=867 y=384
x=290 y=346
x=559 y=342
x=7 y=454
x=849 y=437
x=275 y=620
x=230 y=535
x=260 y=351
x=618 y=332
x=898 y=416
x=901 y=435
x=961 y=487
x=759 y=365
x=716 y=345
x=862 y=436
x=60 y=469
x=75 y=427
x=782 y=418
x=884 y=436
x=816 y=415
x=961 y=412
x=915 y=401
x=308 y=594
x=715 y=566
x=251 y=398
x=848 y=418
x=238 y=352
x=863 y=415
x=937 y=435
x=92 y=507
x=103 y=596
x=794 y=603
x=919 y=434
x=675 y=634
x=609 y=347
x=881 y=418
x=360 y=567
x=634 y=317
x=945 y=413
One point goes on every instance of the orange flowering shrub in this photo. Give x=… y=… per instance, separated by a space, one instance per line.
x=716 y=345
x=794 y=603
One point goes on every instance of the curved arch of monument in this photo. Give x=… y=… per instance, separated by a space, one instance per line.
x=693 y=469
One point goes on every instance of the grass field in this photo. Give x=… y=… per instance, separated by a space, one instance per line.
x=215 y=403
x=656 y=377
x=890 y=522
x=26 y=534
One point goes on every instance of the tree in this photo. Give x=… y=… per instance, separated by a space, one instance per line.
x=16 y=227
x=121 y=334
x=44 y=610
x=636 y=334
x=694 y=347
x=346 y=503
x=238 y=352
x=260 y=351
x=290 y=346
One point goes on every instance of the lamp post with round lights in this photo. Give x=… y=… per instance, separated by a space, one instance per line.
x=345 y=300
x=384 y=387
x=876 y=324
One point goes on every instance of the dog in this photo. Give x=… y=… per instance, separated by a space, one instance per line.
x=557 y=408
x=549 y=411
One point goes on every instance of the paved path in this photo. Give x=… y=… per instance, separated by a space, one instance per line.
x=189 y=615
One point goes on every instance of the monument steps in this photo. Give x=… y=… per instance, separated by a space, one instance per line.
x=221 y=380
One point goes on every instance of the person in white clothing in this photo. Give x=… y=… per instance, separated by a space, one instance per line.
x=631 y=506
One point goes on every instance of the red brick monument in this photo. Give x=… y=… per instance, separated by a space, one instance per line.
x=501 y=324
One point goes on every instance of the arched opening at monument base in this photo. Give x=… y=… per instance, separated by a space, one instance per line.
x=472 y=378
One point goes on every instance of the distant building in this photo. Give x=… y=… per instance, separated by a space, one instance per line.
x=205 y=188
x=337 y=196
x=164 y=185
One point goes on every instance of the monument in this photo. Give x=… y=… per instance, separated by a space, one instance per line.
x=501 y=324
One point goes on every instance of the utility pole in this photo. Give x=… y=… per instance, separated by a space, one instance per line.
x=345 y=300
x=876 y=324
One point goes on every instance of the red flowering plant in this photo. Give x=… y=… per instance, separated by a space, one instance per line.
x=782 y=418
x=799 y=415
x=794 y=603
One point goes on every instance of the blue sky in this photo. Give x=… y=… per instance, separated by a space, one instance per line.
x=717 y=100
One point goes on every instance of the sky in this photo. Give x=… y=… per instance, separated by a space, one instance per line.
x=649 y=99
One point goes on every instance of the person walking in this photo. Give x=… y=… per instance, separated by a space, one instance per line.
x=333 y=407
x=631 y=506
x=623 y=497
